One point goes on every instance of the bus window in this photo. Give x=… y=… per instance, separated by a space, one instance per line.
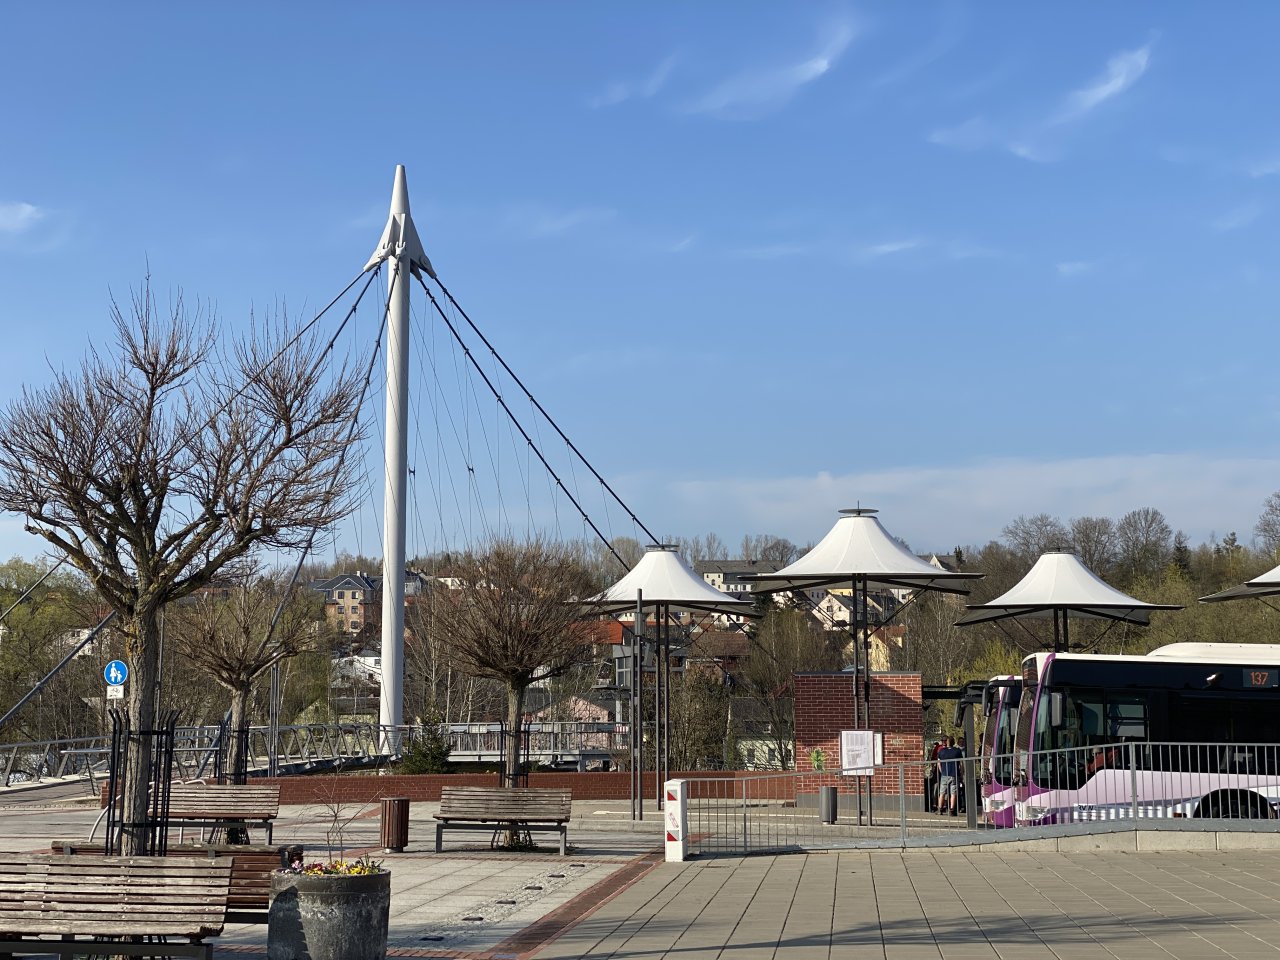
x=1126 y=717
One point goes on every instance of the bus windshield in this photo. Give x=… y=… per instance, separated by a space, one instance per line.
x=1001 y=697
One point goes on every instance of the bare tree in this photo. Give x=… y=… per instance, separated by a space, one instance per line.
x=157 y=465
x=935 y=647
x=1094 y=541
x=785 y=642
x=1032 y=536
x=1268 y=527
x=233 y=640
x=1144 y=541
x=517 y=619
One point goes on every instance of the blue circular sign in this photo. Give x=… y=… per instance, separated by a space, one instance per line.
x=116 y=672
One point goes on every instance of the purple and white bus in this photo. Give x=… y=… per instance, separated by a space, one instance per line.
x=1190 y=730
x=1000 y=699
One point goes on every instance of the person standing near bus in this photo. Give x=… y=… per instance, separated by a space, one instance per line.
x=949 y=772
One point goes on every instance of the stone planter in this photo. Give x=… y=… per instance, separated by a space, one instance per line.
x=328 y=917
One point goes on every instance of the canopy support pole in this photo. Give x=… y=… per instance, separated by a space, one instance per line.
x=637 y=716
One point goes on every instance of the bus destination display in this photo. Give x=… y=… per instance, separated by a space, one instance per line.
x=1258 y=677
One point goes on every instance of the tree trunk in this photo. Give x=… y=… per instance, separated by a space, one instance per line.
x=238 y=731
x=515 y=713
x=142 y=652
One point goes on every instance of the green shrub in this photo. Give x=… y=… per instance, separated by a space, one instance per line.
x=427 y=753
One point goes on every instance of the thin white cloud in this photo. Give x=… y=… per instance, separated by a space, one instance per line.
x=1041 y=141
x=1264 y=168
x=754 y=93
x=18 y=217
x=888 y=248
x=683 y=244
x=1122 y=71
x=643 y=89
x=1073 y=268
x=938 y=507
x=1236 y=218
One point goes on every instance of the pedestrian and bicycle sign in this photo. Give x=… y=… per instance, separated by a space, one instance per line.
x=116 y=672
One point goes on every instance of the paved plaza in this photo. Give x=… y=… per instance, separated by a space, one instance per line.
x=612 y=897
x=967 y=906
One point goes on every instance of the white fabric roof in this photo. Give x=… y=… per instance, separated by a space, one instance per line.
x=859 y=546
x=1059 y=581
x=662 y=576
x=1264 y=586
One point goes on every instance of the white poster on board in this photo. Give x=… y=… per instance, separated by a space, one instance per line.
x=861 y=751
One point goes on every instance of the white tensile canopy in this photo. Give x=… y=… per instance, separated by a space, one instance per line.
x=1059 y=584
x=859 y=547
x=1267 y=585
x=663 y=578
x=660 y=580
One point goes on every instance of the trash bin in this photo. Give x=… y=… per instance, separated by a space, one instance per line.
x=827 y=804
x=395 y=824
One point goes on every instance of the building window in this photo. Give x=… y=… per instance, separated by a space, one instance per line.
x=355 y=624
x=342 y=594
x=355 y=594
x=341 y=609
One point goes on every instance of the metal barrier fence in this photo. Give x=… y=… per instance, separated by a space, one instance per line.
x=811 y=810
x=1138 y=779
x=1174 y=782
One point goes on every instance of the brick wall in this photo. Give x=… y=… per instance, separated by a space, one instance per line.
x=825 y=706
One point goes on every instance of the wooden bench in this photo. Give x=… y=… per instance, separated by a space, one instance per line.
x=527 y=809
x=251 y=869
x=219 y=806
x=90 y=902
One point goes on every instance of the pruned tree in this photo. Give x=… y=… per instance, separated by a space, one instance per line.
x=236 y=638
x=786 y=641
x=158 y=464
x=517 y=618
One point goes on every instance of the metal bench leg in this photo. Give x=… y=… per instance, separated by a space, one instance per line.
x=564 y=841
x=439 y=837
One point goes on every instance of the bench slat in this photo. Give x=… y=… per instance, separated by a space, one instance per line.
x=114 y=896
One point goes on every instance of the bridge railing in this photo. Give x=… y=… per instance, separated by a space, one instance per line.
x=196 y=748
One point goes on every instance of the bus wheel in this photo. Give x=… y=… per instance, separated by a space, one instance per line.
x=1234 y=804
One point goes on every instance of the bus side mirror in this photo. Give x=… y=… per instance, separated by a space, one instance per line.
x=1055 y=708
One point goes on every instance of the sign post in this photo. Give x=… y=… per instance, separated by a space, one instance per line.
x=115 y=673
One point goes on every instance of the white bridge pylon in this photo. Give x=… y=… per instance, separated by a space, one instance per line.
x=401 y=246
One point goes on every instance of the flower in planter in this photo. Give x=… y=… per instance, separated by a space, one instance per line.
x=361 y=867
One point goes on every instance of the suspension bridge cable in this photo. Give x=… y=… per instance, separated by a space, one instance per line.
x=524 y=433
x=249 y=380
x=48 y=573
x=255 y=374
x=342 y=457
x=534 y=401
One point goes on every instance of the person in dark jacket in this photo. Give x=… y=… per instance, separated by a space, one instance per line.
x=949 y=776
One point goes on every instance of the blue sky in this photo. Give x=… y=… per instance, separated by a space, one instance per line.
x=957 y=261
